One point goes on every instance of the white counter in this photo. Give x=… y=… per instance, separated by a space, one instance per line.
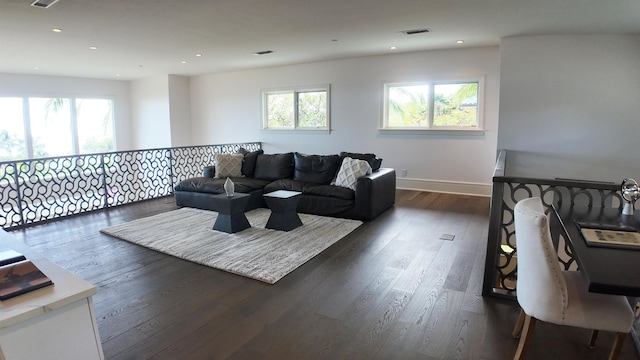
x=54 y=322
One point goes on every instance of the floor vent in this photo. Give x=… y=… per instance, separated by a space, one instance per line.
x=43 y=3
x=447 y=237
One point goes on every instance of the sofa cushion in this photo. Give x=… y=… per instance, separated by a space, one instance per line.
x=249 y=163
x=373 y=161
x=274 y=166
x=317 y=169
x=209 y=171
x=311 y=189
x=228 y=165
x=350 y=171
x=216 y=186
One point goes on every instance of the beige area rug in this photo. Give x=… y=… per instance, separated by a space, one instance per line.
x=259 y=253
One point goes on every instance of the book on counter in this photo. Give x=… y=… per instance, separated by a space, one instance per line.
x=8 y=256
x=610 y=235
x=21 y=277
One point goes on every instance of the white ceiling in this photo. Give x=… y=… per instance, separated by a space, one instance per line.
x=142 y=38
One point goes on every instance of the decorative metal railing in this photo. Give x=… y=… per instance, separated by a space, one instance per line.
x=501 y=262
x=37 y=190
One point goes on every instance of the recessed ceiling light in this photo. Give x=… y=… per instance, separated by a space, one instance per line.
x=393 y=47
x=183 y=62
x=36 y=68
x=460 y=42
x=93 y=48
x=266 y=52
x=198 y=55
x=56 y=30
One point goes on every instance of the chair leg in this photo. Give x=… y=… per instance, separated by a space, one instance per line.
x=617 y=345
x=529 y=325
x=518 y=329
x=592 y=340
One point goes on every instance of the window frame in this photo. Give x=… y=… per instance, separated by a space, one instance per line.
x=75 y=148
x=264 y=93
x=430 y=128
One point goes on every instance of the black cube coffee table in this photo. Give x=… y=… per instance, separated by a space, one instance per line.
x=231 y=217
x=283 y=204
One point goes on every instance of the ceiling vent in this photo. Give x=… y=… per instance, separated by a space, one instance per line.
x=43 y=3
x=266 y=52
x=415 y=31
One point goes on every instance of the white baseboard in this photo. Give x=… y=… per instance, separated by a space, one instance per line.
x=449 y=187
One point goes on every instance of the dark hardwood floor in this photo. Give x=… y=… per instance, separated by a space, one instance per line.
x=390 y=290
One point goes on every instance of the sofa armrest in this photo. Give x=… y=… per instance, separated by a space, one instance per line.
x=375 y=193
x=209 y=171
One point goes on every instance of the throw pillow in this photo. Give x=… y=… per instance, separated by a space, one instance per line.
x=274 y=167
x=350 y=171
x=374 y=162
x=317 y=169
x=249 y=163
x=228 y=165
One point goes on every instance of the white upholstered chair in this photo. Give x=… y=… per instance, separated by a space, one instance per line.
x=547 y=293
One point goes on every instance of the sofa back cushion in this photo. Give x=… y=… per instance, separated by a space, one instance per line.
x=317 y=169
x=274 y=166
x=374 y=162
x=249 y=163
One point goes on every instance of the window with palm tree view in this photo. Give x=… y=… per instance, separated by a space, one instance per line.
x=35 y=127
x=424 y=105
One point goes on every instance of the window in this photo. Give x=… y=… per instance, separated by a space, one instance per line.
x=297 y=109
x=13 y=141
x=94 y=122
x=431 y=106
x=38 y=127
x=50 y=125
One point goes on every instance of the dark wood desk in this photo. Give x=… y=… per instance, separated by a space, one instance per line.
x=606 y=270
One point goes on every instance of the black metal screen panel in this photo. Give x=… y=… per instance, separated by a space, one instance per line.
x=53 y=187
x=43 y=189
x=9 y=196
x=137 y=175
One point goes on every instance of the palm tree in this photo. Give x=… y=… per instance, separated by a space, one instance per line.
x=414 y=112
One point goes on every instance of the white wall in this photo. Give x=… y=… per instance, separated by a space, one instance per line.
x=573 y=100
x=180 y=110
x=34 y=85
x=226 y=108
x=151 y=125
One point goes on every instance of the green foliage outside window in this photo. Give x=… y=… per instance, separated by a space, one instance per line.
x=280 y=110
x=306 y=109
x=51 y=127
x=449 y=105
x=312 y=109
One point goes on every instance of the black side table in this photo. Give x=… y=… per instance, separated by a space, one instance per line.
x=231 y=217
x=283 y=204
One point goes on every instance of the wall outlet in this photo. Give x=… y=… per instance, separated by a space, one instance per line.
x=403 y=172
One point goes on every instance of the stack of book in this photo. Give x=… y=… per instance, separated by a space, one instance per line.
x=18 y=275
x=610 y=235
